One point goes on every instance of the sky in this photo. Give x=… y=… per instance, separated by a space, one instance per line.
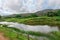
x=21 y=6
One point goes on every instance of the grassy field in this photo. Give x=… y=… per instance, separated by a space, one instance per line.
x=16 y=34
x=52 y=21
x=50 y=17
x=12 y=34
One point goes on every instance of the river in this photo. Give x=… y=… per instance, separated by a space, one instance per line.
x=37 y=28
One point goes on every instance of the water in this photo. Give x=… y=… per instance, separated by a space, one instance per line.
x=37 y=28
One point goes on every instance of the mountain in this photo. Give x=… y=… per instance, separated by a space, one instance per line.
x=47 y=11
x=38 y=13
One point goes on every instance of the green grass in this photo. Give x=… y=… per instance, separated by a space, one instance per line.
x=43 y=20
x=51 y=36
x=14 y=33
x=18 y=34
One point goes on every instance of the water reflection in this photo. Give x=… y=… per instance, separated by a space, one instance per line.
x=38 y=28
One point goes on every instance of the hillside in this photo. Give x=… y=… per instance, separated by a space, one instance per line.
x=46 y=17
x=51 y=17
x=38 y=13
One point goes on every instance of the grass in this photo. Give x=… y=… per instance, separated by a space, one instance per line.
x=52 y=21
x=51 y=36
x=18 y=34
x=12 y=34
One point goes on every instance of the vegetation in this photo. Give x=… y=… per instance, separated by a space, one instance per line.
x=43 y=20
x=51 y=36
x=46 y=17
x=13 y=34
x=16 y=34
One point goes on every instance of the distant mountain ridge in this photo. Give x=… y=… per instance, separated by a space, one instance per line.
x=42 y=12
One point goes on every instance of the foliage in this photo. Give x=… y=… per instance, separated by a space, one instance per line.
x=42 y=20
x=12 y=34
x=18 y=16
x=50 y=18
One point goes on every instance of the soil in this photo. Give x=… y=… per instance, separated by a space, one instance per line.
x=2 y=37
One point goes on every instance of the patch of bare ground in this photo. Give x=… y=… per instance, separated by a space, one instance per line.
x=2 y=37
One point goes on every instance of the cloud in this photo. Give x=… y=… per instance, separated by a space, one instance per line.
x=22 y=5
x=16 y=6
x=55 y=4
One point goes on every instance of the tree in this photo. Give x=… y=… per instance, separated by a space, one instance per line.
x=51 y=14
x=58 y=12
x=34 y=15
x=0 y=16
x=18 y=16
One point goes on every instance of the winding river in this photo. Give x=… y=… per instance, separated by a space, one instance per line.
x=37 y=28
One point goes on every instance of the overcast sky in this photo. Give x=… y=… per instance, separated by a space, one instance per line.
x=16 y=6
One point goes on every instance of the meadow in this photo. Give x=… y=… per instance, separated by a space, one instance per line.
x=17 y=34
x=14 y=33
x=42 y=20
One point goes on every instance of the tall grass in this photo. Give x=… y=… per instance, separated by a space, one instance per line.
x=13 y=34
x=53 y=21
x=17 y=33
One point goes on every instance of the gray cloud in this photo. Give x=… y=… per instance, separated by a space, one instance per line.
x=21 y=5
x=16 y=6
